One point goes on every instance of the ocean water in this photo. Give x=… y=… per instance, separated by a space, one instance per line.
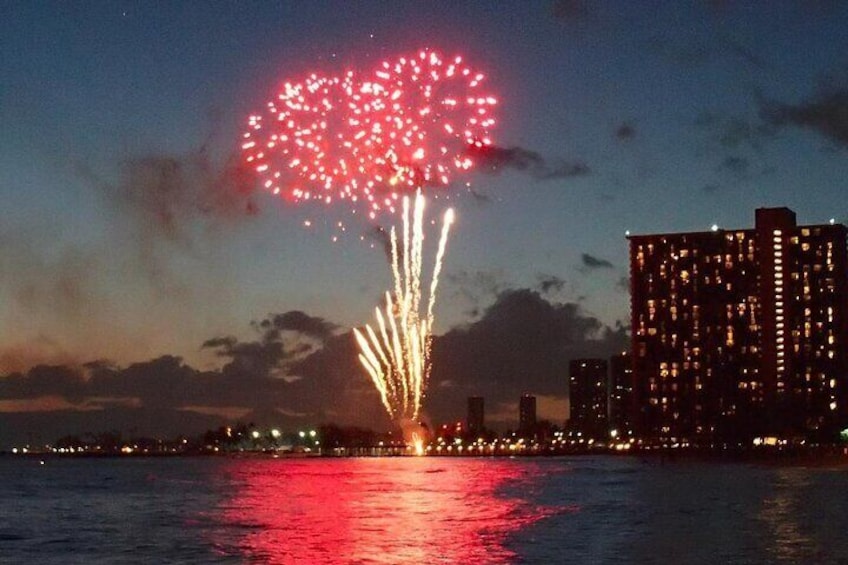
x=419 y=510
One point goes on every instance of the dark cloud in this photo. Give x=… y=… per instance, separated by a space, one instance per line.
x=623 y=284
x=248 y=361
x=825 y=113
x=522 y=343
x=570 y=10
x=479 y=197
x=476 y=288
x=379 y=236
x=289 y=377
x=565 y=170
x=733 y=132
x=735 y=165
x=257 y=377
x=625 y=132
x=710 y=188
x=683 y=54
x=592 y=262
x=58 y=380
x=494 y=160
x=691 y=54
x=550 y=283
x=744 y=53
x=284 y=338
x=297 y=321
x=41 y=350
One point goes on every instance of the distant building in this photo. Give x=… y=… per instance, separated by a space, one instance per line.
x=527 y=413
x=475 y=421
x=741 y=333
x=622 y=407
x=587 y=389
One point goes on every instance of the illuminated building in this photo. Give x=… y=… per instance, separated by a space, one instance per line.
x=621 y=400
x=740 y=333
x=527 y=413
x=587 y=390
x=475 y=421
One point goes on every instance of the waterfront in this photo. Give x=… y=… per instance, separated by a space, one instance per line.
x=411 y=510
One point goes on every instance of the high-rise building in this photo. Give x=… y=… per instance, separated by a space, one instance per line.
x=621 y=400
x=527 y=413
x=587 y=391
x=475 y=421
x=740 y=333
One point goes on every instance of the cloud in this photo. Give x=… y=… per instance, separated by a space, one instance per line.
x=479 y=197
x=737 y=166
x=380 y=237
x=692 y=54
x=296 y=321
x=570 y=10
x=550 y=283
x=42 y=380
x=733 y=132
x=592 y=262
x=41 y=350
x=303 y=370
x=684 y=54
x=826 y=113
x=284 y=338
x=255 y=381
x=625 y=132
x=494 y=160
x=744 y=53
x=522 y=343
x=476 y=287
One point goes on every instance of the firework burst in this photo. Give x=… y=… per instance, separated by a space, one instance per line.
x=367 y=139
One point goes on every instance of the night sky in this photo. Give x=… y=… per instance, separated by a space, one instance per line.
x=145 y=285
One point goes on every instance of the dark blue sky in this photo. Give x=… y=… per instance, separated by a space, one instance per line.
x=641 y=116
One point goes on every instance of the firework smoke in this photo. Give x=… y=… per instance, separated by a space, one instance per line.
x=396 y=354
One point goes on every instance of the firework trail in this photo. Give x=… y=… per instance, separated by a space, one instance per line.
x=397 y=354
x=371 y=139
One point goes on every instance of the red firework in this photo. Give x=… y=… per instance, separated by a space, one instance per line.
x=407 y=125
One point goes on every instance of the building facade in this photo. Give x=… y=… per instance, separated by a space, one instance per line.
x=476 y=415
x=587 y=390
x=527 y=413
x=739 y=334
x=622 y=407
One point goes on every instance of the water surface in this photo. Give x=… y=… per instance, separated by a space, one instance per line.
x=418 y=510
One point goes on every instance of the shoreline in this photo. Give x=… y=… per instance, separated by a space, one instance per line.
x=818 y=458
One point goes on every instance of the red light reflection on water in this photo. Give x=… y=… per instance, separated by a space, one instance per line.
x=404 y=510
